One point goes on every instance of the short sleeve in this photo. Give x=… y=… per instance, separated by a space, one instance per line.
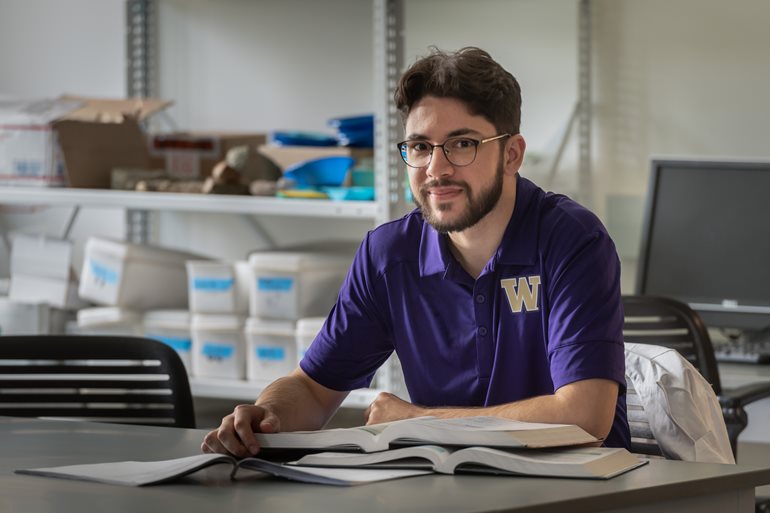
x=585 y=322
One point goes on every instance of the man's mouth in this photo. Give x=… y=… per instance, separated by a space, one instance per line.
x=442 y=191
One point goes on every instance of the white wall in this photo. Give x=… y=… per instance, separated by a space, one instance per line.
x=673 y=78
x=533 y=39
x=263 y=64
x=50 y=47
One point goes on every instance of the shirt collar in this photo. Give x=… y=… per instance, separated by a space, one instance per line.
x=435 y=256
x=520 y=240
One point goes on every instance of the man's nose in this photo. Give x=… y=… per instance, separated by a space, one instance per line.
x=439 y=165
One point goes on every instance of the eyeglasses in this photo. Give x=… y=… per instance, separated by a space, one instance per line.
x=459 y=151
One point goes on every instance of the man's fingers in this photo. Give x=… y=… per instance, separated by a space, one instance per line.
x=247 y=418
x=235 y=434
x=230 y=439
x=270 y=423
x=211 y=443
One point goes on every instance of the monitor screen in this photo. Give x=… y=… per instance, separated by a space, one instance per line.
x=706 y=239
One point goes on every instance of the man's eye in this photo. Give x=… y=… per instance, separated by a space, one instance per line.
x=461 y=144
x=418 y=146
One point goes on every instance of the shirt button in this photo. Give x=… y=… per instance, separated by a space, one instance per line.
x=482 y=331
x=480 y=298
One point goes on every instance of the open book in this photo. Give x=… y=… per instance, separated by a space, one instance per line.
x=578 y=462
x=141 y=473
x=466 y=431
x=345 y=469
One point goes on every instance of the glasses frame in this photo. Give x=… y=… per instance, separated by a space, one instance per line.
x=433 y=147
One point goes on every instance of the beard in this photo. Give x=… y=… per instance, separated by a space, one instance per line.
x=479 y=205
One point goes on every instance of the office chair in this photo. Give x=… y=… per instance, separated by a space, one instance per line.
x=101 y=378
x=673 y=324
x=670 y=323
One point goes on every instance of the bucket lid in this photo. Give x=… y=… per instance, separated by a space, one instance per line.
x=217 y=322
x=258 y=325
x=173 y=319
x=298 y=261
x=128 y=250
x=310 y=325
x=106 y=316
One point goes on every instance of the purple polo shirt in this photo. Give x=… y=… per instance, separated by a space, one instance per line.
x=545 y=312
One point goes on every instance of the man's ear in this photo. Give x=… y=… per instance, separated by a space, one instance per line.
x=515 y=147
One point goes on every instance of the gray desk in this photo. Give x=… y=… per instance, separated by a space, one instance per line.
x=661 y=486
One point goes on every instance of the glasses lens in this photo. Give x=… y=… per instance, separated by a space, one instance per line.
x=416 y=153
x=460 y=151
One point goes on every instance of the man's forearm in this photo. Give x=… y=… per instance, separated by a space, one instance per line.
x=589 y=404
x=546 y=408
x=299 y=403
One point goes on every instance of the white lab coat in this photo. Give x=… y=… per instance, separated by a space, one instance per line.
x=682 y=409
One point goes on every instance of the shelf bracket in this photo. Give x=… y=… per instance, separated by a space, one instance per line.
x=141 y=48
x=585 y=182
x=388 y=65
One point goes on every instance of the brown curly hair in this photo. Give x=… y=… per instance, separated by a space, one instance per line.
x=469 y=75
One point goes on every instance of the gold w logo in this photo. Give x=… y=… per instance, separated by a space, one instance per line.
x=522 y=292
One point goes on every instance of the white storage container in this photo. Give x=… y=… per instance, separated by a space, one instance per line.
x=41 y=273
x=172 y=327
x=218 y=287
x=109 y=320
x=307 y=329
x=219 y=350
x=271 y=347
x=134 y=276
x=292 y=285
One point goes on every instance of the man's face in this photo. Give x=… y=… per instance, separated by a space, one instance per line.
x=454 y=198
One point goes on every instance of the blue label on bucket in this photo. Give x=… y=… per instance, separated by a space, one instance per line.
x=180 y=345
x=275 y=284
x=213 y=284
x=217 y=351
x=103 y=273
x=271 y=353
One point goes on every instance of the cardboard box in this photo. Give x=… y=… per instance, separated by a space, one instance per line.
x=285 y=156
x=193 y=155
x=71 y=140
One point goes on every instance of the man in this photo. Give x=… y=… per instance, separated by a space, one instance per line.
x=499 y=299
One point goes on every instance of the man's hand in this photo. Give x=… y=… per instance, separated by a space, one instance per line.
x=387 y=407
x=236 y=433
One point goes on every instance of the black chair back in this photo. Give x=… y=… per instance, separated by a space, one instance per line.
x=670 y=323
x=101 y=378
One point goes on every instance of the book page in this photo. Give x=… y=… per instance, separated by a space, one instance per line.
x=486 y=423
x=418 y=456
x=366 y=438
x=581 y=462
x=486 y=431
x=132 y=473
x=329 y=476
x=140 y=473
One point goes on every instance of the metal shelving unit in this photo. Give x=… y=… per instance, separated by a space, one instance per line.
x=161 y=201
x=142 y=37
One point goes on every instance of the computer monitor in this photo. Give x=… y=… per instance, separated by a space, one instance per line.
x=706 y=239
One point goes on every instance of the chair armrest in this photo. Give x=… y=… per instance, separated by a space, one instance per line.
x=737 y=398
